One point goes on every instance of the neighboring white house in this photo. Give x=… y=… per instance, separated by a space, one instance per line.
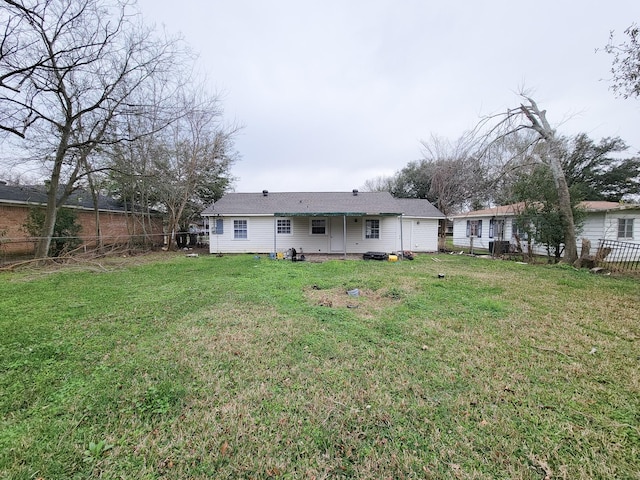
x=603 y=221
x=321 y=222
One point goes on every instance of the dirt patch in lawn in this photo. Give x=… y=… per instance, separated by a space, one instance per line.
x=366 y=302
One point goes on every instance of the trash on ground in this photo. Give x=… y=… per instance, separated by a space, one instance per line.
x=375 y=256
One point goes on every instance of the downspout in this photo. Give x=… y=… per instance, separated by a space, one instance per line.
x=275 y=229
x=492 y=252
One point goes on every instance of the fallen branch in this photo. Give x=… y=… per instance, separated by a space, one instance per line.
x=77 y=256
x=23 y=263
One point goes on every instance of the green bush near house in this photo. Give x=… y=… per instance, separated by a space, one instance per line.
x=65 y=233
x=242 y=367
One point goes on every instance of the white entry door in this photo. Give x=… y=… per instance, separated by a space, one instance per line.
x=337 y=234
x=405 y=240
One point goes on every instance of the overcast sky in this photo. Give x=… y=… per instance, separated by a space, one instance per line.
x=332 y=93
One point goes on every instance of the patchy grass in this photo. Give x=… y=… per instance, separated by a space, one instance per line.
x=238 y=367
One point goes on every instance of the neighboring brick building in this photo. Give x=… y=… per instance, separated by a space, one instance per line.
x=117 y=226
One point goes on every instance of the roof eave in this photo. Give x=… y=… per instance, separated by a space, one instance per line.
x=25 y=203
x=335 y=214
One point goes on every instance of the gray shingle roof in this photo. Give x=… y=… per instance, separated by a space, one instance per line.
x=515 y=208
x=320 y=203
x=36 y=195
x=414 y=207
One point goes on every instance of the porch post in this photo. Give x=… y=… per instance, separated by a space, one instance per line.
x=401 y=237
x=344 y=235
x=275 y=230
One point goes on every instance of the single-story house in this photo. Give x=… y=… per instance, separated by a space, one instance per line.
x=321 y=222
x=117 y=224
x=495 y=227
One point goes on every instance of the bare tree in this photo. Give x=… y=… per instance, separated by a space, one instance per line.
x=625 y=67
x=458 y=178
x=193 y=158
x=378 y=184
x=449 y=175
x=67 y=73
x=549 y=149
x=506 y=160
x=181 y=166
x=130 y=176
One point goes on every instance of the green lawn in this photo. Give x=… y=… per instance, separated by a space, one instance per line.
x=243 y=367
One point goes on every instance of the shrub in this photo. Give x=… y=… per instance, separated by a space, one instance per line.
x=65 y=233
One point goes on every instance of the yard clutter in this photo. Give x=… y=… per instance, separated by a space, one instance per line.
x=391 y=257
x=291 y=254
x=375 y=256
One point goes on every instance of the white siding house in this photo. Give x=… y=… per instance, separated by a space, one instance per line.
x=603 y=221
x=321 y=222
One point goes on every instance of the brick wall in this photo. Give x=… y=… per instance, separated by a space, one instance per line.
x=12 y=236
x=116 y=228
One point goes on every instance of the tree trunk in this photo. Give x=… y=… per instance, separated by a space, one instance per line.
x=171 y=232
x=539 y=123
x=51 y=212
x=96 y=212
x=44 y=242
x=564 y=203
x=585 y=260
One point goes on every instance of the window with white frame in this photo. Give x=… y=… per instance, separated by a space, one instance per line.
x=283 y=226
x=240 y=229
x=372 y=228
x=474 y=228
x=318 y=226
x=625 y=228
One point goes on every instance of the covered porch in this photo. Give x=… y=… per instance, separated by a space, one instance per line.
x=336 y=233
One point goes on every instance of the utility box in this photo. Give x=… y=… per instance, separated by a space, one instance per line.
x=499 y=247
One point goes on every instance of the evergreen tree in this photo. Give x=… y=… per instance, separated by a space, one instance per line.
x=594 y=174
x=539 y=216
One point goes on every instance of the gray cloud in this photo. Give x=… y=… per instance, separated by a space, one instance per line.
x=333 y=93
